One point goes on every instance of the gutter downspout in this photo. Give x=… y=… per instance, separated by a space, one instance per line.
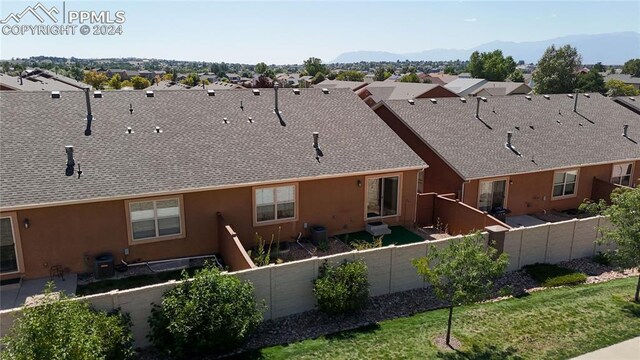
x=462 y=192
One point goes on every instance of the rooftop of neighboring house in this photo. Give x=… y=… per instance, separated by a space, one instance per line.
x=625 y=78
x=184 y=141
x=499 y=88
x=340 y=84
x=462 y=86
x=546 y=132
x=40 y=80
x=168 y=85
x=445 y=78
x=382 y=90
x=630 y=102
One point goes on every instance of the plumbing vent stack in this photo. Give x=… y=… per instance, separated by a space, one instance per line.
x=87 y=131
x=625 y=130
x=575 y=102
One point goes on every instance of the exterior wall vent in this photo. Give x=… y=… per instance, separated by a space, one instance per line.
x=325 y=90
x=97 y=94
x=256 y=92
x=411 y=101
x=149 y=93
x=546 y=97
x=296 y=91
x=55 y=94
x=211 y=92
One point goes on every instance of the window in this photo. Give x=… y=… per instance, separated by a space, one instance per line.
x=275 y=203
x=565 y=183
x=8 y=246
x=382 y=196
x=621 y=174
x=492 y=194
x=156 y=219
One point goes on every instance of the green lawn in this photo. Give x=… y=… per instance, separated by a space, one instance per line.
x=399 y=236
x=131 y=282
x=551 y=324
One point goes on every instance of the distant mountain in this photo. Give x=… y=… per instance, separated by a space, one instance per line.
x=610 y=49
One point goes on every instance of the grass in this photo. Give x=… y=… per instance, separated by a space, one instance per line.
x=552 y=324
x=399 y=236
x=550 y=275
x=131 y=282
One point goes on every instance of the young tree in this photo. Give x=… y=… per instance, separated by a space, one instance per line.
x=492 y=66
x=261 y=68
x=314 y=65
x=192 y=79
x=599 y=67
x=318 y=78
x=350 y=75
x=95 y=79
x=591 y=82
x=624 y=214
x=410 y=78
x=517 y=76
x=463 y=272
x=619 y=88
x=556 y=72
x=115 y=82
x=168 y=76
x=632 y=67
x=139 y=83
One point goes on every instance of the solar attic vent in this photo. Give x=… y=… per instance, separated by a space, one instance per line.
x=296 y=91
x=97 y=94
x=325 y=90
x=211 y=92
x=256 y=91
x=527 y=97
x=463 y=100
x=433 y=101
x=546 y=97
x=149 y=93
x=55 y=94
x=411 y=101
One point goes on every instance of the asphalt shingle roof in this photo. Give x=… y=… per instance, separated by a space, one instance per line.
x=195 y=149
x=462 y=86
x=550 y=133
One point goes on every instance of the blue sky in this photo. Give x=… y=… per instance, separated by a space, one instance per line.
x=290 y=31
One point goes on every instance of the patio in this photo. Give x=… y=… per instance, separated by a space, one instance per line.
x=16 y=295
x=399 y=236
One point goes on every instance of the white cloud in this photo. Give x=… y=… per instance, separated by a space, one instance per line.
x=471 y=20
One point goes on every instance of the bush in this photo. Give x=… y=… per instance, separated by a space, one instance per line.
x=549 y=275
x=212 y=313
x=602 y=258
x=60 y=328
x=342 y=288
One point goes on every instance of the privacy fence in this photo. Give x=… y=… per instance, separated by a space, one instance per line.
x=288 y=288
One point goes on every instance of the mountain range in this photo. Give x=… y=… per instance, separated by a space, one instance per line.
x=610 y=49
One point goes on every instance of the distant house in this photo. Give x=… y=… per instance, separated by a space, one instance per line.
x=625 y=78
x=156 y=177
x=146 y=74
x=499 y=88
x=40 y=80
x=526 y=154
x=340 y=84
x=381 y=90
x=130 y=73
x=630 y=102
x=121 y=72
x=465 y=87
x=441 y=78
x=234 y=78
x=211 y=78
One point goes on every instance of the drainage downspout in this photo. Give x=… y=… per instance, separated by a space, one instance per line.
x=462 y=192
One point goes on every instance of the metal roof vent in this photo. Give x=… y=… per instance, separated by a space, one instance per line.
x=55 y=95
x=296 y=91
x=211 y=92
x=433 y=101
x=316 y=146
x=325 y=90
x=250 y=120
x=158 y=130
x=546 y=97
x=527 y=97
x=97 y=94
x=463 y=100
x=70 y=161
x=149 y=93
x=411 y=101
x=570 y=96
x=256 y=92
x=129 y=131
x=632 y=98
x=509 y=145
x=587 y=95
x=625 y=130
x=225 y=120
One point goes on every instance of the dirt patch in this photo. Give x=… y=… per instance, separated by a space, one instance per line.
x=307 y=250
x=440 y=342
x=431 y=233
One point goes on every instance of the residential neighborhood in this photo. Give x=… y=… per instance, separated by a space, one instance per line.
x=465 y=199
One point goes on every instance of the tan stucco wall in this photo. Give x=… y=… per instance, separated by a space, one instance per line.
x=63 y=235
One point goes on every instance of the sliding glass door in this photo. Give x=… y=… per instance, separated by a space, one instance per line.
x=382 y=196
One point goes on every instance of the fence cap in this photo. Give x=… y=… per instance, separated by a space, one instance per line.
x=496 y=229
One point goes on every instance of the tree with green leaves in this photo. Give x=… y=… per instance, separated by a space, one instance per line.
x=450 y=70
x=410 y=78
x=556 y=72
x=382 y=74
x=95 y=79
x=517 y=76
x=591 y=82
x=492 y=66
x=314 y=65
x=632 y=67
x=261 y=68
x=318 y=78
x=462 y=272
x=139 y=83
x=350 y=75
x=115 y=82
x=192 y=79
x=599 y=67
x=624 y=214
x=619 y=88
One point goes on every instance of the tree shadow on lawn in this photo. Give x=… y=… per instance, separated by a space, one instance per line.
x=632 y=309
x=477 y=352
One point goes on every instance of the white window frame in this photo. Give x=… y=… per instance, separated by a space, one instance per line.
x=506 y=191
x=156 y=238
x=575 y=189
x=398 y=200
x=624 y=165
x=275 y=199
x=15 y=229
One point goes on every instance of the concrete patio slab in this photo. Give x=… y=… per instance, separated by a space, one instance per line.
x=16 y=297
x=523 y=220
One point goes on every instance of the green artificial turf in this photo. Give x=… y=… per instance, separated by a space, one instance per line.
x=399 y=236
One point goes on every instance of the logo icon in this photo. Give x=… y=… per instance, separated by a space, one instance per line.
x=34 y=11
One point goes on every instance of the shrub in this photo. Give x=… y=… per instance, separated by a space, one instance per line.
x=602 y=258
x=549 y=275
x=60 y=328
x=342 y=288
x=211 y=313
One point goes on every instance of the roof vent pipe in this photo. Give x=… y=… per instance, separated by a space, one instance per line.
x=276 y=85
x=509 y=135
x=625 y=130
x=575 y=102
x=319 y=153
x=70 y=162
x=87 y=131
x=478 y=105
x=20 y=78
